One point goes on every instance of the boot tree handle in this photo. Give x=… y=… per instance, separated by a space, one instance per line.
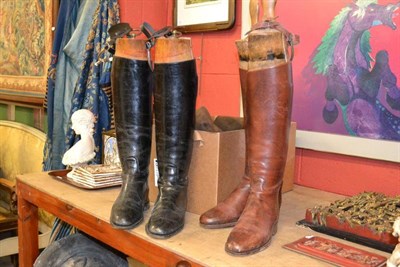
x=267 y=9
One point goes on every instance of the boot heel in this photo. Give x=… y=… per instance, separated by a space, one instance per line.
x=274 y=229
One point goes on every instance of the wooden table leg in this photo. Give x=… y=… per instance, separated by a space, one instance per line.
x=28 y=247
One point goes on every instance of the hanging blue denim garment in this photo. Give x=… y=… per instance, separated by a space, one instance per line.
x=88 y=92
x=68 y=69
x=65 y=13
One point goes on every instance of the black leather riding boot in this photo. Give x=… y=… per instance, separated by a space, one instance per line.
x=132 y=92
x=174 y=106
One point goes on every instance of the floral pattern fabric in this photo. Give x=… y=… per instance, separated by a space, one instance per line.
x=88 y=92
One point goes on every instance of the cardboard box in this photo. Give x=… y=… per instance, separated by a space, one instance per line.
x=217 y=167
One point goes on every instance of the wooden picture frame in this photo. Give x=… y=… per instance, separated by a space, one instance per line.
x=26 y=36
x=203 y=15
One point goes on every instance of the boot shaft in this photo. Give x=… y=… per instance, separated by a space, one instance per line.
x=174 y=106
x=132 y=96
x=269 y=102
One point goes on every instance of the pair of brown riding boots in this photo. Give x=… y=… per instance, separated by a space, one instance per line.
x=253 y=207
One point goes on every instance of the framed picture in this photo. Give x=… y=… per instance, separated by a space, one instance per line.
x=342 y=103
x=203 y=15
x=25 y=47
x=110 y=149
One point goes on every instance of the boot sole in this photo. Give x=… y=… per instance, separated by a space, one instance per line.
x=256 y=250
x=127 y=227
x=155 y=236
x=218 y=226
x=131 y=226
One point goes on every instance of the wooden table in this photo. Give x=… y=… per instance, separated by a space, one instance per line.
x=89 y=210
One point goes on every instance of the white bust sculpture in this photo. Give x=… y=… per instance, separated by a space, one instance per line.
x=394 y=260
x=83 y=151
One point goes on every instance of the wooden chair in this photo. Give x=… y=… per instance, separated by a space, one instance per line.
x=21 y=151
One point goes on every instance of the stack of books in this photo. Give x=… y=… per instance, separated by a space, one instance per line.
x=96 y=176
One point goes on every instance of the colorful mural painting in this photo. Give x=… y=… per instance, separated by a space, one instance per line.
x=346 y=69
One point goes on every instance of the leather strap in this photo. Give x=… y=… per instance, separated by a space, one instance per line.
x=119 y=30
x=292 y=39
x=116 y=31
x=152 y=36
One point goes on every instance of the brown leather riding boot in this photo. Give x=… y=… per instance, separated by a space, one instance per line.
x=268 y=110
x=227 y=212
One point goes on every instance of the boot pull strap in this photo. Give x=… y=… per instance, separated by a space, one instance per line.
x=293 y=40
x=116 y=31
x=119 y=31
x=152 y=36
x=148 y=31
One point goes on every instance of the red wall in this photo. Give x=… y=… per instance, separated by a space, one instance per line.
x=215 y=52
x=345 y=174
x=219 y=91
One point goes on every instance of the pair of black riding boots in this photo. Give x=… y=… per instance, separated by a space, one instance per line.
x=174 y=86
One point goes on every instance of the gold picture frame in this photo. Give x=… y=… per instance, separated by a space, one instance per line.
x=25 y=49
x=203 y=15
